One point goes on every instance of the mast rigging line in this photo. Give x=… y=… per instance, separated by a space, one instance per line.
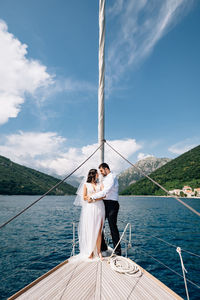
x=147 y=254
x=155 y=182
x=51 y=189
x=104 y=141
x=191 y=253
x=162 y=240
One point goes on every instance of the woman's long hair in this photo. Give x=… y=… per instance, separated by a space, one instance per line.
x=92 y=175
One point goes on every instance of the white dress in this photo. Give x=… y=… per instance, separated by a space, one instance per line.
x=91 y=219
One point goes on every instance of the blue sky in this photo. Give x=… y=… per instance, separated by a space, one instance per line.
x=49 y=81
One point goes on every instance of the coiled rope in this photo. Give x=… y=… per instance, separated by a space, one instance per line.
x=126 y=266
x=155 y=182
x=177 y=249
x=51 y=189
x=122 y=264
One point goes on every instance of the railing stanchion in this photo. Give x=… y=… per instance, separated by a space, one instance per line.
x=74 y=243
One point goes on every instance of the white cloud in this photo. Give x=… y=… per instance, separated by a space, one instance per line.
x=49 y=153
x=18 y=74
x=143 y=156
x=67 y=161
x=184 y=146
x=141 y=25
x=116 y=8
x=26 y=147
x=71 y=87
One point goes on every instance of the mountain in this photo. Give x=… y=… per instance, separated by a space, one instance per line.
x=16 y=179
x=183 y=170
x=147 y=165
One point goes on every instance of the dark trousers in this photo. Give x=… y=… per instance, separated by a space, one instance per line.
x=111 y=210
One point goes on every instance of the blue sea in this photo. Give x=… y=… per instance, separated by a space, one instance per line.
x=41 y=238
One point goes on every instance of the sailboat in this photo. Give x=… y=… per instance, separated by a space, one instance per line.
x=114 y=277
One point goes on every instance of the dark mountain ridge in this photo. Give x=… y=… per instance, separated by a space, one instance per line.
x=16 y=179
x=147 y=165
x=181 y=171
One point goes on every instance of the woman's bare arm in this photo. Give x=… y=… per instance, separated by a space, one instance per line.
x=85 y=197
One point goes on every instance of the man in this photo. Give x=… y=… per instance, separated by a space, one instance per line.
x=110 y=190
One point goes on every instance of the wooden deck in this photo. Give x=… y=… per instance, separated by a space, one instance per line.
x=93 y=280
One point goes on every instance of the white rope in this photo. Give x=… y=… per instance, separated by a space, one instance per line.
x=178 y=249
x=126 y=266
x=122 y=264
x=128 y=224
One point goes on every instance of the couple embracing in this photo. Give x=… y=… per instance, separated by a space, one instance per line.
x=99 y=200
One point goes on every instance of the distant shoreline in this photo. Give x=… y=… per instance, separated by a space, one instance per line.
x=136 y=196
x=146 y=196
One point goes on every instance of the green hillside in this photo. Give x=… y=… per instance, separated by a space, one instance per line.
x=183 y=170
x=19 y=180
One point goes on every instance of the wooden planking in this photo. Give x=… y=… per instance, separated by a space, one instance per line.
x=98 y=281
x=128 y=287
x=145 y=287
x=94 y=280
x=56 y=287
x=162 y=285
x=82 y=285
x=28 y=287
x=115 y=284
x=47 y=284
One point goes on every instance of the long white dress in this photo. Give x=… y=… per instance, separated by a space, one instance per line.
x=91 y=219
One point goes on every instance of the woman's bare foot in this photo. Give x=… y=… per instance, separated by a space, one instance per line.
x=91 y=255
x=100 y=256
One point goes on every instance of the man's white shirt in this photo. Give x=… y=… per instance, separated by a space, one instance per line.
x=110 y=189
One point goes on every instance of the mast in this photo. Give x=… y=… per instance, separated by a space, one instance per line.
x=101 y=110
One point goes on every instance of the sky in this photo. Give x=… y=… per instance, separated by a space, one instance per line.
x=49 y=81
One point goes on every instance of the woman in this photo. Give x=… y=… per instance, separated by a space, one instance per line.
x=91 y=219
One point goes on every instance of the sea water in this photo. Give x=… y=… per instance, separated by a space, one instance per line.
x=41 y=238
